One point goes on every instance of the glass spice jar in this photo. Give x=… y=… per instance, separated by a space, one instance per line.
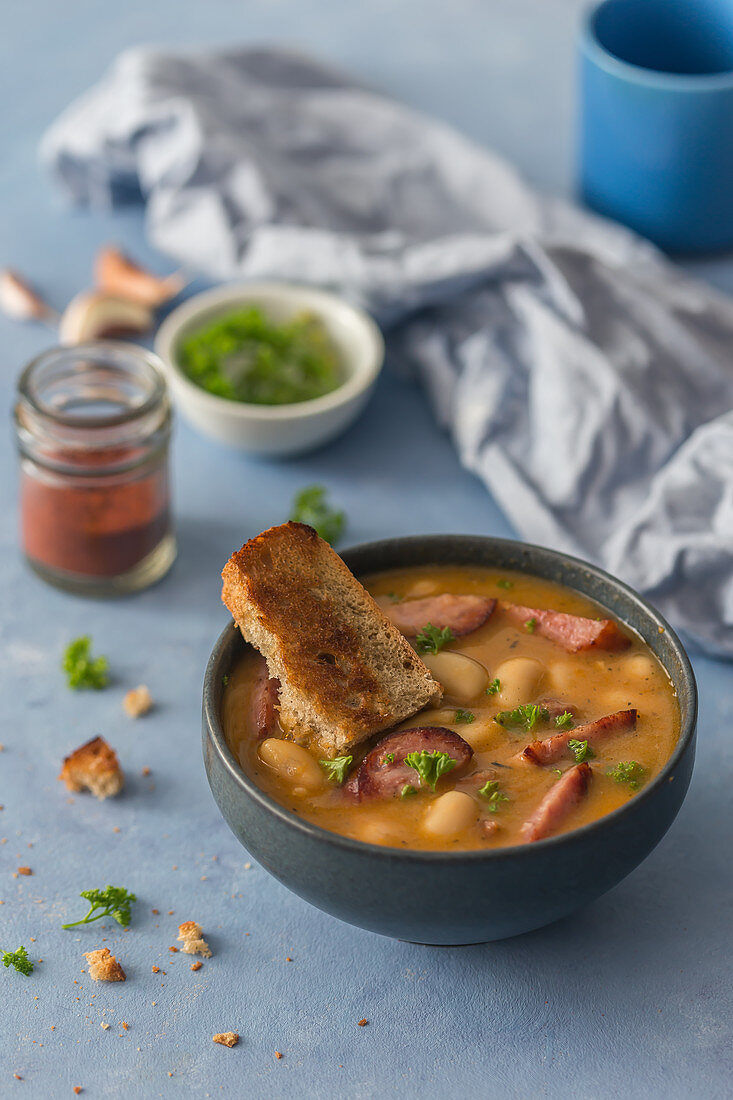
x=93 y=425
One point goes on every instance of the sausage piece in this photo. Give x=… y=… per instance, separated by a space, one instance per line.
x=462 y=614
x=552 y=748
x=572 y=632
x=264 y=701
x=554 y=808
x=383 y=771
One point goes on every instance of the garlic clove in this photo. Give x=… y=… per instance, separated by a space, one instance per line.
x=20 y=301
x=93 y=316
x=118 y=275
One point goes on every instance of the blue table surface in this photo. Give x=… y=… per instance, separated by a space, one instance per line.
x=629 y=998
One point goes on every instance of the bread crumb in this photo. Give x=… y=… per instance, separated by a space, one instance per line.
x=288 y=959
x=278 y=1055
x=145 y=771
x=105 y=1027
x=78 y=1089
x=190 y=933
x=174 y=949
x=93 y=767
x=196 y=965
x=363 y=1023
x=226 y=1038
x=125 y=1026
x=138 y=701
x=155 y=911
x=24 y=871
x=156 y=970
x=103 y=967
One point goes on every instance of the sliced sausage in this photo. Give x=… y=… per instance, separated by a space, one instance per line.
x=264 y=701
x=462 y=614
x=558 y=803
x=552 y=748
x=572 y=632
x=383 y=771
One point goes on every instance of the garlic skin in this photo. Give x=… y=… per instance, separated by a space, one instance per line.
x=92 y=315
x=116 y=274
x=20 y=301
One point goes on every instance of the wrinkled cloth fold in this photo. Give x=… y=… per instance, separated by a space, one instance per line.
x=582 y=377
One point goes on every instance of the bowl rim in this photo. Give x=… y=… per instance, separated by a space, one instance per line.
x=688 y=725
x=361 y=372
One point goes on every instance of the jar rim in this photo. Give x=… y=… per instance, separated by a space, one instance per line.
x=115 y=353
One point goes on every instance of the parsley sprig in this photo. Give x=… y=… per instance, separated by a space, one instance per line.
x=493 y=795
x=466 y=716
x=18 y=959
x=311 y=506
x=336 y=769
x=82 y=670
x=627 y=771
x=430 y=765
x=564 y=721
x=494 y=687
x=524 y=717
x=581 y=750
x=432 y=640
x=113 y=901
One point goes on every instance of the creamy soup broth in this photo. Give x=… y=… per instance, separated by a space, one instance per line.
x=590 y=684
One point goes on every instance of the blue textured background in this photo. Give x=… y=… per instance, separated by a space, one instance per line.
x=630 y=998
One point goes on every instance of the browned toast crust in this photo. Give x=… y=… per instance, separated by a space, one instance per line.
x=295 y=599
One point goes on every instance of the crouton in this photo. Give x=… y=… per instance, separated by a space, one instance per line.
x=103 y=967
x=345 y=671
x=191 y=935
x=226 y=1038
x=93 y=767
x=138 y=701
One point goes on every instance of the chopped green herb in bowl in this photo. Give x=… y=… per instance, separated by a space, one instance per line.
x=246 y=356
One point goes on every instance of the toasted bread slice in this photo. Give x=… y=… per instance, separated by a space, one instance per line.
x=345 y=671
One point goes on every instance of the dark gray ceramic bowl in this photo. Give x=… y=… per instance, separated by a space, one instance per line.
x=458 y=897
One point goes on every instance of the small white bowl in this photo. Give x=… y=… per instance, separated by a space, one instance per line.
x=276 y=430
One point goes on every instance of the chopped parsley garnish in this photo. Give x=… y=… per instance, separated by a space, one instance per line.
x=557 y=772
x=432 y=640
x=494 y=687
x=627 y=771
x=113 y=901
x=524 y=717
x=430 y=765
x=244 y=355
x=336 y=769
x=465 y=716
x=225 y=679
x=311 y=506
x=564 y=721
x=19 y=960
x=580 y=750
x=504 y=584
x=388 y=759
x=393 y=597
x=530 y=626
x=82 y=670
x=493 y=795
x=407 y=790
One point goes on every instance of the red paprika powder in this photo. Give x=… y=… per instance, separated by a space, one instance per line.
x=93 y=428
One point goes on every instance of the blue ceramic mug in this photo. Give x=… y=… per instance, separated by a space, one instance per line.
x=656 y=128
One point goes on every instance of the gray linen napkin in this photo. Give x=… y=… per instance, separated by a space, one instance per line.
x=582 y=377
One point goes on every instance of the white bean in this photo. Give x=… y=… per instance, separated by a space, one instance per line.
x=292 y=763
x=639 y=666
x=519 y=678
x=462 y=677
x=422 y=588
x=450 y=814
